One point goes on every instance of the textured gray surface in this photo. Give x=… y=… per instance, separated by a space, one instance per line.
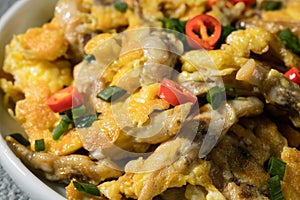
x=8 y=189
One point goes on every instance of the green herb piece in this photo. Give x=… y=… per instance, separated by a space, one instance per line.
x=20 y=138
x=66 y=118
x=111 y=93
x=90 y=58
x=87 y=188
x=215 y=96
x=174 y=24
x=86 y=120
x=272 y=5
x=290 y=41
x=39 y=145
x=121 y=6
x=226 y=30
x=78 y=111
x=275 y=188
x=60 y=129
x=276 y=167
x=71 y=114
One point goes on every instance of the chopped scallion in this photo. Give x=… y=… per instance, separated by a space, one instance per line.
x=60 y=129
x=74 y=113
x=87 y=188
x=174 y=24
x=290 y=41
x=39 y=145
x=275 y=188
x=121 y=6
x=86 y=120
x=90 y=58
x=111 y=93
x=276 y=167
x=66 y=118
x=20 y=138
x=272 y=5
x=78 y=111
x=215 y=96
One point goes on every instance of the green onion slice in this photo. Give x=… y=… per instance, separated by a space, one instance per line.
x=290 y=41
x=20 y=138
x=174 y=24
x=111 y=93
x=73 y=113
x=90 y=58
x=60 y=129
x=120 y=6
x=276 y=167
x=275 y=188
x=87 y=188
x=86 y=120
x=272 y=5
x=215 y=96
x=39 y=145
x=78 y=111
x=66 y=117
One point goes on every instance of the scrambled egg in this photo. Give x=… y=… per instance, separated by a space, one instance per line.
x=38 y=121
x=144 y=102
x=234 y=54
x=35 y=60
x=32 y=57
x=38 y=62
x=289 y=13
x=47 y=42
x=94 y=42
x=147 y=185
x=105 y=14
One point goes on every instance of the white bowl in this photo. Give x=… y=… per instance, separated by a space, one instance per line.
x=22 y=15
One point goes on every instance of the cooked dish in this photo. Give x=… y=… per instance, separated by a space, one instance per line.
x=140 y=99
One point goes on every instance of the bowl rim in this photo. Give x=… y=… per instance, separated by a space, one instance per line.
x=29 y=183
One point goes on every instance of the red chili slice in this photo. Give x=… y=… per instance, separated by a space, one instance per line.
x=175 y=93
x=65 y=99
x=294 y=75
x=203 y=31
x=246 y=2
x=211 y=3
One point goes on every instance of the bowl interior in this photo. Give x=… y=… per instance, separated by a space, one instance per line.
x=21 y=16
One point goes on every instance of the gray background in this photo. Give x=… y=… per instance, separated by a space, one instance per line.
x=8 y=189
